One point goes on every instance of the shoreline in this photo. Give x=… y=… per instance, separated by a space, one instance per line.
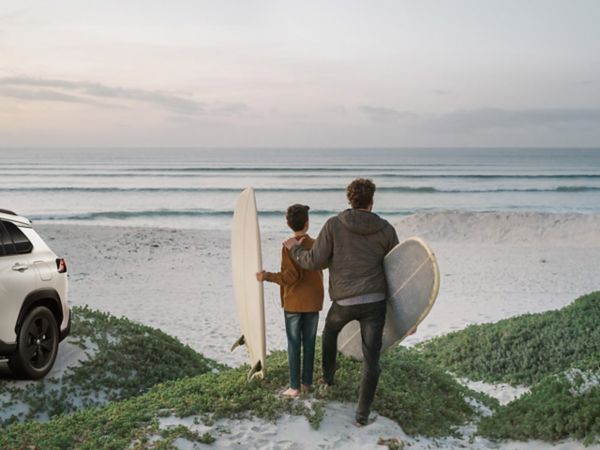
x=179 y=280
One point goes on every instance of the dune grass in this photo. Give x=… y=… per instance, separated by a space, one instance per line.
x=523 y=349
x=422 y=398
x=124 y=359
x=557 y=353
x=560 y=406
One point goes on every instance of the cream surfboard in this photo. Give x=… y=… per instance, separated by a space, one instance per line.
x=413 y=282
x=246 y=260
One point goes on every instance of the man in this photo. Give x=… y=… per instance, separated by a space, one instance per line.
x=352 y=246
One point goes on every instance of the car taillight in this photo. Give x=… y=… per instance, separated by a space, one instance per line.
x=61 y=265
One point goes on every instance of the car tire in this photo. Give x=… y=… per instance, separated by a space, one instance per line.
x=37 y=344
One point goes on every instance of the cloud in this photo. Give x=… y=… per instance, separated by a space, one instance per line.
x=380 y=114
x=86 y=92
x=468 y=120
x=496 y=118
x=584 y=82
x=230 y=109
x=12 y=14
x=41 y=94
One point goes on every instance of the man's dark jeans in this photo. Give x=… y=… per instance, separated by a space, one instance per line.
x=371 y=317
x=301 y=330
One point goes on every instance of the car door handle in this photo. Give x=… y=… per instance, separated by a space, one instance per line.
x=20 y=267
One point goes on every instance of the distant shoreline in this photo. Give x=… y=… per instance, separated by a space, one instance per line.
x=189 y=189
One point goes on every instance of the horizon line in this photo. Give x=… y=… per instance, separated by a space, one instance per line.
x=163 y=147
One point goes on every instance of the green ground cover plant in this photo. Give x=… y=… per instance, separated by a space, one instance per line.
x=523 y=349
x=557 y=353
x=558 y=407
x=424 y=399
x=125 y=360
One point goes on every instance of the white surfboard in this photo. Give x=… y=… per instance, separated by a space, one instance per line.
x=246 y=260
x=413 y=281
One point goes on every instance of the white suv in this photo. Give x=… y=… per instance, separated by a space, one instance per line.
x=34 y=314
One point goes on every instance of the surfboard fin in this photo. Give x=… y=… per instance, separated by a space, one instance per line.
x=257 y=371
x=241 y=341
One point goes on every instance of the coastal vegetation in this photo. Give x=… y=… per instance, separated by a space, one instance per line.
x=523 y=349
x=148 y=380
x=556 y=353
x=120 y=359
x=430 y=403
x=423 y=398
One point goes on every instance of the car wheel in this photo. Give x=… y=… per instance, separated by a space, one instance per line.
x=37 y=344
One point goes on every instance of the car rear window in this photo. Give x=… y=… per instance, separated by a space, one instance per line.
x=12 y=240
x=5 y=241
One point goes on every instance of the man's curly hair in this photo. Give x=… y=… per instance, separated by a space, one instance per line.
x=360 y=193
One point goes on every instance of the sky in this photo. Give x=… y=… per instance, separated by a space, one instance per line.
x=224 y=73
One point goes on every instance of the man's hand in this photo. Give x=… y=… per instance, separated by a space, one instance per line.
x=261 y=276
x=291 y=242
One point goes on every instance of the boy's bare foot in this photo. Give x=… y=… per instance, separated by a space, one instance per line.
x=291 y=393
x=306 y=388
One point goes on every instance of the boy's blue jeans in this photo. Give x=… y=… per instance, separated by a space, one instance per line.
x=301 y=330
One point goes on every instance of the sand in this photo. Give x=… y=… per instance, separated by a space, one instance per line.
x=180 y=280
x=338 y=433
x=493 y=266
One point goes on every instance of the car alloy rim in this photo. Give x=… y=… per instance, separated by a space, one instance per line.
x=40 y=342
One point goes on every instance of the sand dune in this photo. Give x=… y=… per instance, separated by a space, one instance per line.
x=493 y=266
x=504 y=228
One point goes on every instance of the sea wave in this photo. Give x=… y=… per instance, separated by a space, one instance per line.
x=241 y=168
x=406 y=189
x=124 y=215
x=522 y=228
x=392 y=172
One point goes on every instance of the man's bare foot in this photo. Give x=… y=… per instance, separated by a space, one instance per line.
x=306 y=388
x=291 y=393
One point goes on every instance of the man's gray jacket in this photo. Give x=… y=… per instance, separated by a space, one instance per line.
x=352 y=246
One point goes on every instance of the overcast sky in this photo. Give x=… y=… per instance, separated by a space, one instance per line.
x=320 y=73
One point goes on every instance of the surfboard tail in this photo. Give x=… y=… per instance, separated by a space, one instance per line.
x=241 y=341
x=257 y=371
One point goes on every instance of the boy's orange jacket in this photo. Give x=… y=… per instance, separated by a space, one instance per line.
x=301 y=289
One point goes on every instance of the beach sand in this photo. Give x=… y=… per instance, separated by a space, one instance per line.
x=492 y=265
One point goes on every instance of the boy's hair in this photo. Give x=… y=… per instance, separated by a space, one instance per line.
x=297 y=216
x=360 y=193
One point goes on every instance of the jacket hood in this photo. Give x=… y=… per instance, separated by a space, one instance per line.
x=361 y=222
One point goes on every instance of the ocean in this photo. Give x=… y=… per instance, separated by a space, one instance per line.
x=197 y=189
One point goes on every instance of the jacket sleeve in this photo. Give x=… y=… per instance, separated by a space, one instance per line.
x=289 y=274
x=317 y=258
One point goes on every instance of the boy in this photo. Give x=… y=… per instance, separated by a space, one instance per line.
x=301 y=298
